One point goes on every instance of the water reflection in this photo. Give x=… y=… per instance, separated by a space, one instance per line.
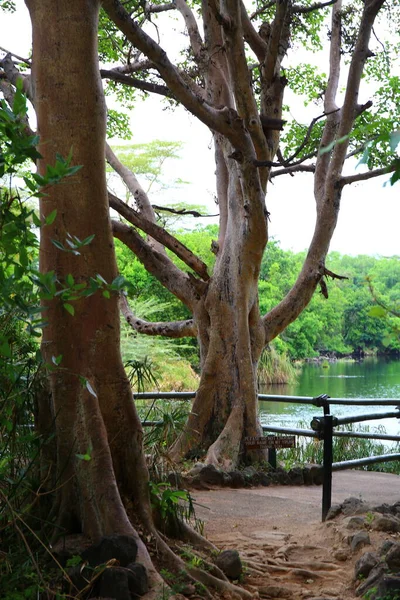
x=371 y=378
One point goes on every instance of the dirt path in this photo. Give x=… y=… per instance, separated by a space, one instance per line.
x=278 y=531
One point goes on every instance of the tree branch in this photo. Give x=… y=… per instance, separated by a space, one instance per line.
x=367 y=175
x=293 y=169
x=162 y=236
x=252 y=37
x=176 y=329
x=139 y=84
x=317 y=6
x=13 y=75
x=349 y=110
x=193 y=31
x=222 y=120
x=174 y=211
x=187 y=289
x=278 y=23
x=158 y=8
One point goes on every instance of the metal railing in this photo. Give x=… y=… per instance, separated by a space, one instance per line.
x=322 y=428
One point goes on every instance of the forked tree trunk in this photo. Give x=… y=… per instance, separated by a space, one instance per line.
x=231 y=338
x=91 y=400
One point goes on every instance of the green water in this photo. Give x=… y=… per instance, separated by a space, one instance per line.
x=370 y=378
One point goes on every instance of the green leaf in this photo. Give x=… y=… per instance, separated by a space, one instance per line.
x=56 y=359
x=5 y=349
x=87 y=240
x=58 y=244
x=90 y=389
x=69 y=280
x=69 y=308
x=106 y=294
x=377 y=311
x=50 y=218
x=83 y=456
x=329 y=147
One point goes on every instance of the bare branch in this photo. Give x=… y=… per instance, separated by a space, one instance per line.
x=293 y=169
x=222 y=120
x=178 y=283
x=306 y=138
x=26 y=61
x=159 y=234
x=262 y=9
x=175 y=211
x=333 y=275
x=158 y=8
x=193 y=31
x=139 y=84
x=176 y=329
x=13 y=75
x=135 y=67
x=367 y=175
x=278 y=23
x=317 y=6
x=350 y=106
x=252 y=37
x=330 y=107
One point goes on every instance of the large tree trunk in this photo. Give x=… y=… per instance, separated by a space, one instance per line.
x=91 y=400
x=231 y=335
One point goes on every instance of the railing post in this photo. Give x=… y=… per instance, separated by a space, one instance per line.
x=327 y=465
x=272 y=457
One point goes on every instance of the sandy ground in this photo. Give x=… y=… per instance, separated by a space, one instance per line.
x=279 y=533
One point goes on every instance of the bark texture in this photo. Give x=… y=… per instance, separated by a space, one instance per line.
x=91 y=401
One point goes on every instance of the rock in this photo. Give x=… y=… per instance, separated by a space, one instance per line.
x=386 y=523
x=237 y=479
x=341 y=555
x=359 y=540
x=309 y=472
x=248 y=474
x=365 y=564
x=275 y=591
x=354 y=506
x=296 y=476
x=375 y=574
x=383 y=509
x=69 y=546
x=353 y=522
x=121 y=547
x=389 y=587
x=265 y=479
x=281 y=476
x=114 y=583
x=138 y=582
x=176 y=480
x=384 y=549
x=393 y=557
x=333 y=512
x=197 y=467
x=229 y=562
x=211 y=475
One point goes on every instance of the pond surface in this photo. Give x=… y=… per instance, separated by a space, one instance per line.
x=370 y=378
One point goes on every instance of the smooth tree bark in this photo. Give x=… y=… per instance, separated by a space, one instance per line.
x=246 y=129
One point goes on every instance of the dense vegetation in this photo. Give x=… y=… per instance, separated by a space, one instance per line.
x=344 y=323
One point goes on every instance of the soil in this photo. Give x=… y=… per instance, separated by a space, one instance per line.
x=278 y=531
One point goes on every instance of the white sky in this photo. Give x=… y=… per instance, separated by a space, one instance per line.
x=369 y=216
